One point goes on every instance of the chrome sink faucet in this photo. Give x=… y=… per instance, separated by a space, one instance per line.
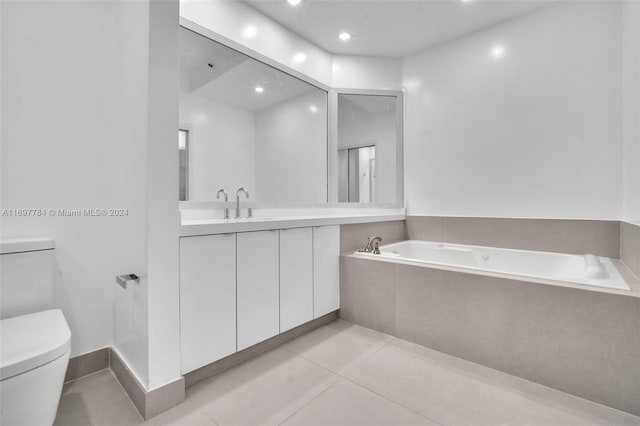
x=226 y=198
x=246 y=195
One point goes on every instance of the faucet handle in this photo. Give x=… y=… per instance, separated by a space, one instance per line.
x=376 y=250
x=367 y=247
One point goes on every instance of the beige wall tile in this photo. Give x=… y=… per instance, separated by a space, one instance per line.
x=565 y=236
x=367 y=293
x=353 y=237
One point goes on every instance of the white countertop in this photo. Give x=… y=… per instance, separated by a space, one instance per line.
x=192 y=227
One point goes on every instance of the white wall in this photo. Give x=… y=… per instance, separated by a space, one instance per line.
x=130 y=80
x=162 y=195
x=56 y=148
x=536 y=133
x=291 y=150
x=631 y=104
x=221 y=148
x=230 y=19
x=358 y=127
x=366 y=72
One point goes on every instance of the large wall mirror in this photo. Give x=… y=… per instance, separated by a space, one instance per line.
x=369 y=147
x=246 y=124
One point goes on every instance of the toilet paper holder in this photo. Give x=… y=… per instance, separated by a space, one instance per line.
x=122 y=280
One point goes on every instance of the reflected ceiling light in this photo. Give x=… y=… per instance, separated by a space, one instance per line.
x=498 y=51
x=249 y=31
x=313 y=108
x=467 y=1
x=259 y=89
x=299 y=58
x=294 y=2
x=344 y=36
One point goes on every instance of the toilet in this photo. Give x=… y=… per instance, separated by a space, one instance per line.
x=33 y=361
x=35 y=340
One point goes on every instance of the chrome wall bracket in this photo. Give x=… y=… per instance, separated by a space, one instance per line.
x=122 y=280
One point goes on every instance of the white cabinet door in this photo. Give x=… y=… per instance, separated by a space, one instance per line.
x=326 y=270
x=207 y=299
x=258 y=287
x=296 y=277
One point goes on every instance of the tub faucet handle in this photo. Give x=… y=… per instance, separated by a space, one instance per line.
x=367 y=247
x=376 y=250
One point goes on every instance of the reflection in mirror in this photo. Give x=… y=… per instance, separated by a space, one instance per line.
x=367 y=147
x=357 y=174
x=183 y=142
x=249 y=125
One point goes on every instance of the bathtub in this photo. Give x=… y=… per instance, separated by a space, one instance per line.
x=579 y=269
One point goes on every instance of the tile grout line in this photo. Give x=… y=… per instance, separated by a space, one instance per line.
x=393 y=402
x=340 y=378
x=312 y=362
x=393 y=339
x=206 y=413
x=350 y=369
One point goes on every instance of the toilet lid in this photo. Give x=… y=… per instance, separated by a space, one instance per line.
x=29 y=341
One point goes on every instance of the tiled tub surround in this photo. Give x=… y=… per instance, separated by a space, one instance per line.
x=599 y=237
x=630 y=246
x=576 y=340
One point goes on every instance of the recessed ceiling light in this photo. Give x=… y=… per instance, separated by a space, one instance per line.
x=313 y=108
x=344 y=36
x=294 y=2
x=467 y=1
x=249 y=31
x=498 y=51
x=299 y=58
x=259 y=89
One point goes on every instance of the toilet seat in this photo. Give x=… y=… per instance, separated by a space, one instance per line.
x=30 y=341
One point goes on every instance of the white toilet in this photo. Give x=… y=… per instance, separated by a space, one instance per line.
x=35 y=339
x=33 y=361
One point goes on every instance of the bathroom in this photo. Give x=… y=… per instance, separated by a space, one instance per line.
x=320 y=212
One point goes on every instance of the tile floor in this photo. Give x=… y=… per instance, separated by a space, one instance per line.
x=343 y=374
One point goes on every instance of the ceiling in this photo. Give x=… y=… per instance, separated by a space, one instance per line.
x=232 y=77
x=391 y=28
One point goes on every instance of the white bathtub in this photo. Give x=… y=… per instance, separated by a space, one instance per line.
x=580 y=269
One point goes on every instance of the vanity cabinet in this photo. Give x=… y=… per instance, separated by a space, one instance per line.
x=237 y=290
x=258 y=296
x=326 y=270
x=296 y=277
x=207 y=299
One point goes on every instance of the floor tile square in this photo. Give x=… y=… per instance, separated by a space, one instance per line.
x=339 y=346
x=263 y=391
x=347 y=404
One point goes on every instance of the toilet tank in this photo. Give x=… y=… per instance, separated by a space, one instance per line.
x=27 y=276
